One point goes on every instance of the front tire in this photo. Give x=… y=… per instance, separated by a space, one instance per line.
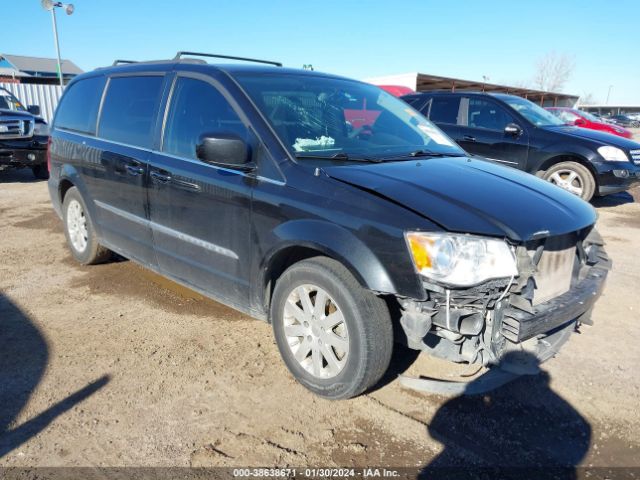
x=573 y=177
x=80 y=232
x=334 y=336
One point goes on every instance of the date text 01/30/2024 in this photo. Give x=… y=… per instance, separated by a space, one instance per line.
x=314 y=472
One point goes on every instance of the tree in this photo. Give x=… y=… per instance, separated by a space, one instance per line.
x=588 y=99
x=521 y=83
x=553 y=70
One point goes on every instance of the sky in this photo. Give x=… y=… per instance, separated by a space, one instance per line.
x=465 y=39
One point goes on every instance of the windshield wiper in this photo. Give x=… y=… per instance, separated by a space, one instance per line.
x=429 y=153
x=338 y=156
x=423 y=153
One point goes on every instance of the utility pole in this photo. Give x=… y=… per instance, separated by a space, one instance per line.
x=55 y=38
x=485 y=79
x=51 y=6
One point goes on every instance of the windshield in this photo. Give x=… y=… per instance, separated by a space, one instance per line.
x=532 y=112
x=588 y=116
x=9 y=102
x=321 y=117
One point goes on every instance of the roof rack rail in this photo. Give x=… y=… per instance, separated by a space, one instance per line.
x=179 y=55
x=121 y=62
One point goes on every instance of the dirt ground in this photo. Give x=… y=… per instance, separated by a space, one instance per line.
x=111 y=365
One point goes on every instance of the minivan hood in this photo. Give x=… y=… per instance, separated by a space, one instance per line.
x=595 y=135
x=468 y=195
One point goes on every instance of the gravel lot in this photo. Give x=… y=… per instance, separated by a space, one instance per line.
x=111 y=365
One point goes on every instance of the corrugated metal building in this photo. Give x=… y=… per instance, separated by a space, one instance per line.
x=34 y=80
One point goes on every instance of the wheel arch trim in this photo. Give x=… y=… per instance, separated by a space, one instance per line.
x=329 y=240
x=70 y=177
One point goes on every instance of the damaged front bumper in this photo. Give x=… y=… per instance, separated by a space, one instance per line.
x=576 y=304
x=481 y=325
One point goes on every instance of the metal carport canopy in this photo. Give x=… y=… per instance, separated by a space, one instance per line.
x=425 y=82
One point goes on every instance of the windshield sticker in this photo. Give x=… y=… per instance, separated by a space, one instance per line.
x=319 y=143
x=435 y=135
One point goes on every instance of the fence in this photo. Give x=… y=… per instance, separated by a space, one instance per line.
x=46 y=96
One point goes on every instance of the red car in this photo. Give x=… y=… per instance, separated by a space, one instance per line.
x=396 y=90
x=583 y=119
x=363 y=115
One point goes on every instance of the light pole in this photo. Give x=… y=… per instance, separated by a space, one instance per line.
x=609 y=93
x=485 y=79
x=51 y=6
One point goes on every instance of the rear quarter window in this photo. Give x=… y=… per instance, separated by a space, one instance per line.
x=78 y=109
x=130 y=108
x=418 y=102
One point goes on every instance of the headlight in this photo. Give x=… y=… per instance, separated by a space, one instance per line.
x=460 y=260
x=612 y=154
x=41 y=129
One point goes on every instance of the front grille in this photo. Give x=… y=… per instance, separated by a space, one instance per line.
x=16 y=128
x=548 y=267
x=635 y=155
x=554 y=268
x=559 y=279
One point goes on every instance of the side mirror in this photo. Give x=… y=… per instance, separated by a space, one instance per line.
x=579 y=122
x=513 y=129
x=34 y=110
x=224 y=149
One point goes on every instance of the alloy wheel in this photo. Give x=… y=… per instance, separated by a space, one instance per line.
x=569 y=180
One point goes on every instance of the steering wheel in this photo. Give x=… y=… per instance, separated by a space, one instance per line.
x=364 y=132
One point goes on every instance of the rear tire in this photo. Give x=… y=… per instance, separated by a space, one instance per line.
x=573 y=177
x=40 y=172
x=80 y=232
x=337 y=348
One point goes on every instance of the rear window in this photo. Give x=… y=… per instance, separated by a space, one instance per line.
x=78 y=110
x=129 y=110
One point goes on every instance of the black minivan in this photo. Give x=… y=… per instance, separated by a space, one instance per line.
x=516 y=132
x=324 y=206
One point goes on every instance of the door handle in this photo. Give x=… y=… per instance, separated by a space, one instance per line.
x=469 y=138
x=134 y=169
x=186 y=185
x=161 y=177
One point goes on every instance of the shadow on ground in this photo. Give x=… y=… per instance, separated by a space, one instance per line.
x=18 y=175
x=24 y=355
x=616 y=199
x=521 y=430
x=403 y=357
